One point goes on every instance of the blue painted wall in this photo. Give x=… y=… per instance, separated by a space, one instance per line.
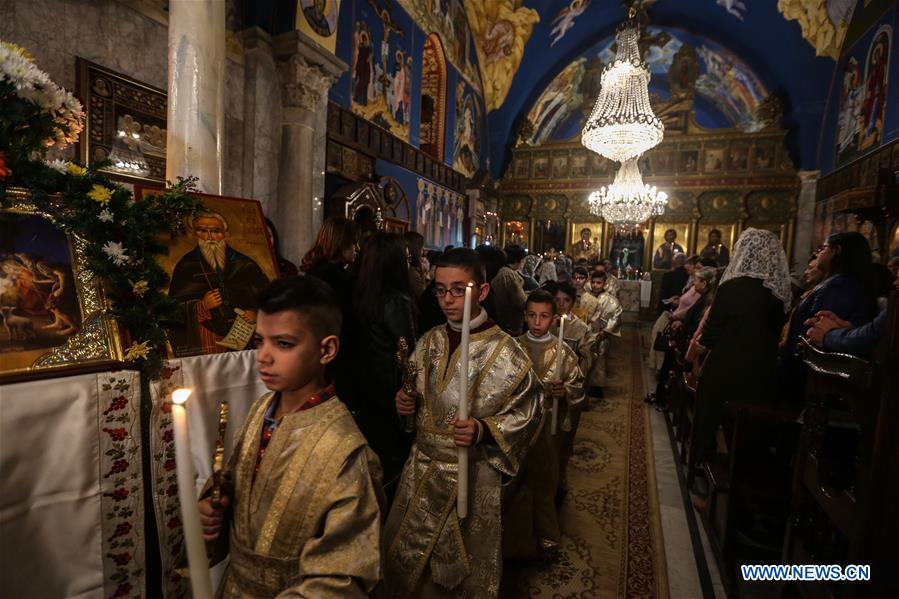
x=841 y=141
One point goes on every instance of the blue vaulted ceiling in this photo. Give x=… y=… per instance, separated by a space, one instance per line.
x=769 y=45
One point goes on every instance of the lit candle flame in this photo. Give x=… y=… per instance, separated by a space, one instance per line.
x=179 y=396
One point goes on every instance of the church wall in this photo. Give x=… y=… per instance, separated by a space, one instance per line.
x=124 y=39
x=361 y=32
x=436 y=212
x=862 y=112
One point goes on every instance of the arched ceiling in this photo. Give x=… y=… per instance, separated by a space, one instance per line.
x=765 y=43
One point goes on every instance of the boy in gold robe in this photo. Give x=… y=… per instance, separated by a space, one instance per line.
x=580 y=338
x=428 y=550
x=606 y=324
x=532 y=523
x=300 y=514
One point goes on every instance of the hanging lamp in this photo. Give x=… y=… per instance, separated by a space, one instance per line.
x=622 y=125
x=628 y=201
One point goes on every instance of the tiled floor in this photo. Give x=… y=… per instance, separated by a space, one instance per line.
x=682 y=560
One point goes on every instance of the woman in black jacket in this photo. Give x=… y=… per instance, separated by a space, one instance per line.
x=742 y=332
x=382 y=312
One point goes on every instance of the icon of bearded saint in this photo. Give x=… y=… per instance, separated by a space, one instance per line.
x=211 y=282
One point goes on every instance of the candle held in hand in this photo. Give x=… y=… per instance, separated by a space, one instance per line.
x=559 y=349
x=462 y=412
x=187 y=494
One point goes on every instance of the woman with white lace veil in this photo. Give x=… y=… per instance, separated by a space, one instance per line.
x=742 y=332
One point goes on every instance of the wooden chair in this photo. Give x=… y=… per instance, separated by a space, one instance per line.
x=845 y=490
x=737 y=478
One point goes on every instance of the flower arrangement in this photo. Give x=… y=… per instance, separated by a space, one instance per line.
x=37 y=113
x=123 y=236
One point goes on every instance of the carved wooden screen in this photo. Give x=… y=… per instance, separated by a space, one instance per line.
x=433 y=98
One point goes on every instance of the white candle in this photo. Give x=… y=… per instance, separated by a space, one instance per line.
x=555 y=412
x=187 y=494
x=462 y=412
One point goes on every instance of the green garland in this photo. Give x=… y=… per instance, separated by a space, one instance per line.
x=123 y=241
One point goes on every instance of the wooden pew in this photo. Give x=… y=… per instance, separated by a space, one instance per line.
x=845 y=499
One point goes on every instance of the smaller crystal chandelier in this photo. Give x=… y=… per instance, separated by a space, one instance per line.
x=628 y=201
x=622 y=124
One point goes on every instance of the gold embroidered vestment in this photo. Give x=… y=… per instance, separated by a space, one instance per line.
x=308 y=526
x=429 y=552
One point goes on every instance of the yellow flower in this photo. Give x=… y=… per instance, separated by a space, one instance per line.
x=76 y=170
x=140 y=288
x=138 y=350
x=19 y=50
x=100 y=194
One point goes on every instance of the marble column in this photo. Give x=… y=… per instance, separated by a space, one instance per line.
x=196 y=113
x=261 y=118
x=307 y=72
x=805 y=219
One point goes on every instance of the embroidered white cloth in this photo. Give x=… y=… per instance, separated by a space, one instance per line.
x=71 y=493
x=228 y=376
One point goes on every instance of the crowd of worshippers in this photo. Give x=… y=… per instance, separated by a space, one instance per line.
x=345 y=479
x=732 y=332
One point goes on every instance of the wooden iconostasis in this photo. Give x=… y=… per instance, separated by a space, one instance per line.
x=727 y=180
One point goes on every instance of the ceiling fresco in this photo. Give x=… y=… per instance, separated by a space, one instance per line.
x=725 y=82
x=501 y=28
x=823 y=22
x=746 y=52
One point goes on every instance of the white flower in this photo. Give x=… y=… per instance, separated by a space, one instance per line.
x=35 y=86
x=58 y=165
x=116 y=252
x=105 y=216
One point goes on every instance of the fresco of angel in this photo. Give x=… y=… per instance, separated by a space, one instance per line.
x=565 y=19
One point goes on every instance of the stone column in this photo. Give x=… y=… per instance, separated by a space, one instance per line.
x=307 y=72
x=261 y=118
x=196 y=113
x=805 y=219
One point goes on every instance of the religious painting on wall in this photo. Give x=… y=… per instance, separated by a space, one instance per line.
x=688 y=161
x=560 y=166
x=738 y=156
x=381 y=68
x=863 y=97
x=447 y=18
x=125 y=124
x=320 y=15
x=579 y=164
x=763 y=156
x=501 y=29
x=216 y=269
x=626 y=248
x=541 y=166
x=433 y=98
x=716 y=242
x=560 y=100
x=466 y=140
x=51 y=309
x=713 y=161
x=522 y=168
x=318 y=20
x=585 y=240
x=669 y=239
x=661 y=162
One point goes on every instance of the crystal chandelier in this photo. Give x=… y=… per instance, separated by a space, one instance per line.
x=628 y=201
x=622 y=124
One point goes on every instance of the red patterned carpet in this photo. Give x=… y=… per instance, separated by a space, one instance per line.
x=612 y=535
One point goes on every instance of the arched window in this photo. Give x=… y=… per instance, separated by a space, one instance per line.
x=433 y=98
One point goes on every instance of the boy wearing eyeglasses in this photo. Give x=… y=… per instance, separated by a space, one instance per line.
x=428 y=550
